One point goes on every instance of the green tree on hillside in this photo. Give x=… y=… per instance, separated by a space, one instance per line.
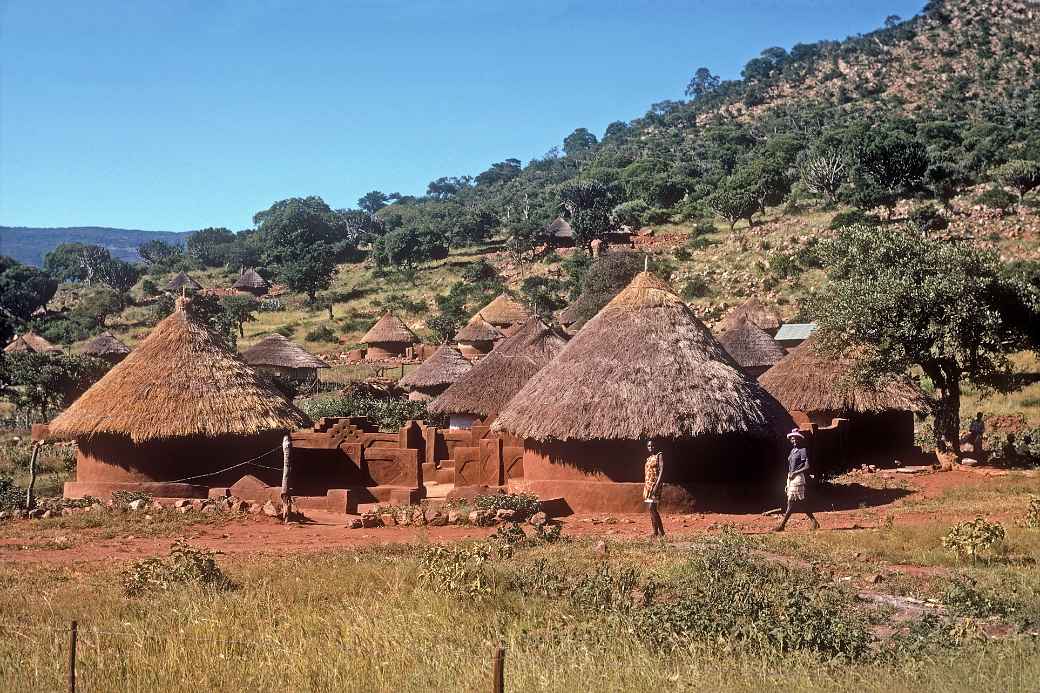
x=209 y=247
x=734 y=204
x=888 y=165
x=1022 y=175
x=903 y=301
x=299 y=237
x=44 y=383
x=120 y=275
x=156 y=252
x=98 y=303
x=587 y=205
x=23 y=289
x=240 y=309
x=65 y=262
x=702 y=83
x=375 y=200
x=579 y=142
x=824 y=170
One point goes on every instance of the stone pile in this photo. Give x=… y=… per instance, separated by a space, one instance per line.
x=417 y=516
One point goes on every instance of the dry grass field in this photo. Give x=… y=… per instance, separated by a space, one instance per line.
x=720 y=606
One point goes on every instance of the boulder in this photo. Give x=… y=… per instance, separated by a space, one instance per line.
x=505 y=515
x=210 y=509
x=138 y=504
x=455 y=517
x=198 y=504
x=388 y=519
x=404 y=517
x=182 y=503
x=481 y=518
x=538 y=519
x=355 y=523
x=255 y=508
x=600 y=549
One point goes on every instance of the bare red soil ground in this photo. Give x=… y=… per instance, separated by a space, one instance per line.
x=859 y=507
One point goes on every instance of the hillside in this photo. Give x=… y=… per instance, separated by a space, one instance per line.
x=28 y=245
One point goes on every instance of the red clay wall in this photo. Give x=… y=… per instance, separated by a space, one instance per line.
x=378 y=351
x=475 y=349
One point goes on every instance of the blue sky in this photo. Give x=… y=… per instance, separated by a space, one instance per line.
x=180 y=115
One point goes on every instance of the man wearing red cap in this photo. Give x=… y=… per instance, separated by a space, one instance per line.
x=797 y=475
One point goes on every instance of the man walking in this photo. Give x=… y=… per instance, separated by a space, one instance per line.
x=797 y=476
x=652 y=474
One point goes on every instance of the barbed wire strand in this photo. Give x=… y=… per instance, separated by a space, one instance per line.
x=234 y=466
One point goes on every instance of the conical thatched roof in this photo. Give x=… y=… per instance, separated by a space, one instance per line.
x=808 y=381
x=276 y=350
x=559 y=228
x=180 y=381
x=389 y=329
x=30 y=342
x=444 y=367
x=478 y=330
x=250 y=279
x=750 y=346
x=105 y=344
x=494 y=380
x=182 y=280
x=504 y=311
x=755 y=312
x=644 y=367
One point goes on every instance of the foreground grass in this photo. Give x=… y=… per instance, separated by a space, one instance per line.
x=365 y=621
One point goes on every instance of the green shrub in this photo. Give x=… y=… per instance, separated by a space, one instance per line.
x=186 y=565
x=725 y=595
x=782 y=265
x=286 y=330
x=696 y=287
x=11 y=497
x=322 y=333
x=657 y=215
x=458 y=570
x=963 y=597
x=975 y=539
x=387 y=414
x=124 y=498
x=853 y=217
x=703 y=228
x=700 y=243
x=523 y=504
x=996 y=198
x=1033 y=514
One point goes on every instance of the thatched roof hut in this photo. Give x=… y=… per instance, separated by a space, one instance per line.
x=644 y=368
x=281 y=356
x=436 y=373
x=505 y=313
x=30 y=342
x=477 y=337
x=483 y=391
x=560 y=231
x=755 y=312
x=389 y=337
x=808 y=381
x=751 y=347
x=106 y=346
x=251 y=281
x=179 y=405
x=182 y=281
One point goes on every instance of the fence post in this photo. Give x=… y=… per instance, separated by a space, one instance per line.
x=30 y=498
x=286 y=498
x=73 y=630
x=498 y=673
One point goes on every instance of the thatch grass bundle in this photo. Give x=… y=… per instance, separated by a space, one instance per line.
x=750 y=346
x=444 y=367
x=180 y=381
x=755 y=312
x=105 y=345
x=644 y=367
x=389 y=329
x=809 y=381
x=504 y=311
x=493 y=381
x=478 y=330
x=277 y=350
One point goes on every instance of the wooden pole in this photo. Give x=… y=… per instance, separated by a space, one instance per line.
x=72 y=656
x=30 y=499
x=498 y=672
x=286 y=498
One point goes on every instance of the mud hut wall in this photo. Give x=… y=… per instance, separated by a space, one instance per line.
x=475 y=349
x=377 y=351
x=107 y=459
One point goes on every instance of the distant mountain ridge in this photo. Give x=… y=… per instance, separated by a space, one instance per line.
x=28 y=245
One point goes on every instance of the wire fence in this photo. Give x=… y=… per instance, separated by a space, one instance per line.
x=252 y=461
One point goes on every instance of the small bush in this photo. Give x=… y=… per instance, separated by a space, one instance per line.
x=996 y=198
x=322 y=333
x=927 y=218
x=387 y=414
x=853 y=217
x=657 y=215
x=700 y=243
x=186 y=565
x=523 y=504
x=782 y=265
x=11 y=497
x=1033 y=514
x=964 y=598
x=703 y=228
x=286 y=330
x=122 y=499
x=697 y=287
x=460 y=570
x=975 y=539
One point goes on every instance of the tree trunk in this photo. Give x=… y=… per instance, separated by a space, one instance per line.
x=331 y=316
x=948 y=418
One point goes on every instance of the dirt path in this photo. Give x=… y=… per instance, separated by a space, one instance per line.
x=27 y=542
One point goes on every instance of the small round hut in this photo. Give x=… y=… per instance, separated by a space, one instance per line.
x=751 y=347
x=482 y=392
x=560 y=233
x=817 y=389
x=280 y=356
x=756 y=313
x=477 y=337
x=436 y=373
x=644 y=368
x=505 y=314
x=388 y=338
x=106 y=346
x=176 y=411
x=30 y=342
x=251 y=282
x=181 y=282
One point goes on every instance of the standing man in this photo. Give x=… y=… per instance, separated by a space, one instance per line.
x=652 y=474
x=797 y=473
x=975 y=431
